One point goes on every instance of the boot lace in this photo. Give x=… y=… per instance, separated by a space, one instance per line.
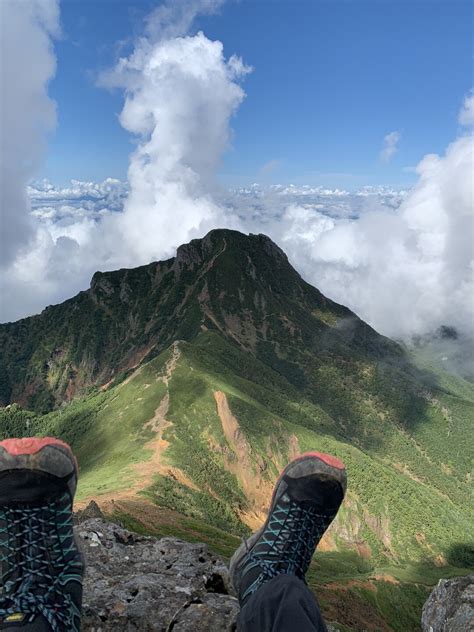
x=37 y=542
x=287 y=544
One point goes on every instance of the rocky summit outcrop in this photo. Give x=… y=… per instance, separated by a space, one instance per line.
x=450 y=606
x=133 y=582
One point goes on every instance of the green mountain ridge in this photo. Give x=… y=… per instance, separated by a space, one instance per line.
x=190 y=383
x=242 y=286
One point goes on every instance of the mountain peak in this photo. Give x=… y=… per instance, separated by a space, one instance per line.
x=195 y=253
x=239 y=286
x=219 y=239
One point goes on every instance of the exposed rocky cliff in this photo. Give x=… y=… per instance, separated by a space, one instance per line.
x=450 y=607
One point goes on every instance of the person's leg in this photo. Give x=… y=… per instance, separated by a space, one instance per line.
x=41 y=567
x=268 y=569
x=283 y=604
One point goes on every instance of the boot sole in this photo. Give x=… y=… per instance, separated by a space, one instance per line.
x=35 y=468
x=325 y=465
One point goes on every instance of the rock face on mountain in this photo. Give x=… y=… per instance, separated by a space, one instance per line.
x=134 y=582
x=450 y=606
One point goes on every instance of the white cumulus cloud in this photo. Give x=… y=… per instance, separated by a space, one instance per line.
x=174 y=18
x=466 y=114
x=405 y=271
x=269 y=167
x=79 y=199
x=179 y=99
x=180 y=93
x=390 y=146
x=27 y=114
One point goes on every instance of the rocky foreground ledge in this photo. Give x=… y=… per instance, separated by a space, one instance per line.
x=135 y=582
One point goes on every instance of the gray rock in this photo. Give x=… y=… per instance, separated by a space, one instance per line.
x=450 y=606
x=91 y=511
x=134 y=582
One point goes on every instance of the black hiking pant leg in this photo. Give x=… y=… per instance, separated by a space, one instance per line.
x=283 y=604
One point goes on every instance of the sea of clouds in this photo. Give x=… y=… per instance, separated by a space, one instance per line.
x=402 y=260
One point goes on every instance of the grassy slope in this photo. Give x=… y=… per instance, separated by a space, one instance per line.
x=408 y=482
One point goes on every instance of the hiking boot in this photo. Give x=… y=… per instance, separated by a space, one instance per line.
x=305 y=501
x=40 y=565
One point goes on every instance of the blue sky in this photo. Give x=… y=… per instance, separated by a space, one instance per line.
x=330 y=80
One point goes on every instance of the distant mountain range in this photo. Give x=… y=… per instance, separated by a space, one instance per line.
x=189 y=383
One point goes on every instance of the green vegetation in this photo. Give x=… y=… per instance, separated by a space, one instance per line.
x=404 y=502
x=189 y=529
x=167 y=492
x=16 y=422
